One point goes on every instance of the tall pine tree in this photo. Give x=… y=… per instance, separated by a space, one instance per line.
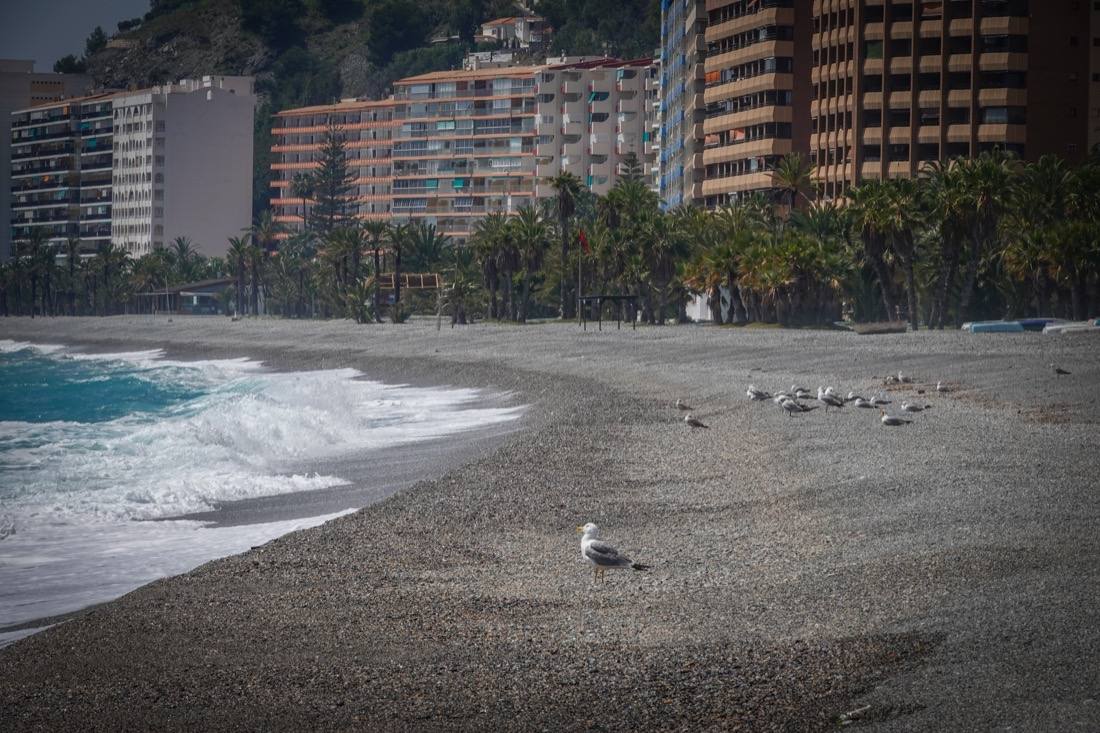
x=333 y=202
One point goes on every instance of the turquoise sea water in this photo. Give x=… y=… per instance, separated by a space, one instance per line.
x=90 y=444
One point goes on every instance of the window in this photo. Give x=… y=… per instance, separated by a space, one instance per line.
x=958 y=115
x=928 y=151
x=872 y=83
x=928 y=81
x=1004 y=115
x=897 y=153
x=958 y=80
x=1003 y=44
x=958 y=44
x=930 y=116
x=900 y=82
x=901 y=47
x=929 y=46
x=1004 y=80
x=872 y=14
x=872 y=49
x=872 y=153
x=898 y=117
x=901 y=12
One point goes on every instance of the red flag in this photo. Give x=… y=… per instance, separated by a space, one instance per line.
x=584 y=241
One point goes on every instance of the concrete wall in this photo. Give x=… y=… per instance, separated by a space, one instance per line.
x=208 y=167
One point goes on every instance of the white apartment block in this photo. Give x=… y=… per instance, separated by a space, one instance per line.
x=183 y=164
x=591 y=115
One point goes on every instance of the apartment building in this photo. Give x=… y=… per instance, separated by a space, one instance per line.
x=756 y=104
x=61 y=171
x=137 y=168
x=592 y=114
x=367 y=128
x=683 y=52
x=898 y=85
x=21 y=87
x=183 y=163
x=464 y=146
x=878 y=88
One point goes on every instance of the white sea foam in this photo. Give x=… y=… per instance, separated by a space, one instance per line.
x=71 y=489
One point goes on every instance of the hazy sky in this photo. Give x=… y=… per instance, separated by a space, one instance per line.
x=46 y=30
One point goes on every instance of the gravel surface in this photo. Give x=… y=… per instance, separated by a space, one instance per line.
x=942 y=575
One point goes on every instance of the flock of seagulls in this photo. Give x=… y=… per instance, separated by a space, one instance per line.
x=791 y=400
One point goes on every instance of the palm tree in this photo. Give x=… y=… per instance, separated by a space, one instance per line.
x=793 y=177
x=266 y=232
x=302 y=187
x=112 y=262
x=30 y=260
x=899 y=217
x=568 y=187
x=238 y=255
x=490 y=232
x=398 y=239
x=867 y=219
x=183 y=256
x=378 y=232
x=987 y=181
x=947 y=208
x=72 y=259
x=256 y=259
x=532 y=237
x=427 y=247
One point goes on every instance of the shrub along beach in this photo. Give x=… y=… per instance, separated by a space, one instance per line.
x=988 y=237
x=805 y=570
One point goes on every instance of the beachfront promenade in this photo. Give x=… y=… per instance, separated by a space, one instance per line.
x=943 y=573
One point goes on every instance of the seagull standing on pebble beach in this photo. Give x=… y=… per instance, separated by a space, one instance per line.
x=681 y=405
x=601 y=555
x=693 y=423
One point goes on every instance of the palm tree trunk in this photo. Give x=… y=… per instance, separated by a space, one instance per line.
x=911 y=293
x=947 y=274
x=377 y=286
x=971 y=276
x=563 y=307
x=396 y=284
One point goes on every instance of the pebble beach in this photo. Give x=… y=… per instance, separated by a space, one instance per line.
x=808 y=572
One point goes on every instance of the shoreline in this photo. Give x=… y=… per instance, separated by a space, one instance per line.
x=802 y=568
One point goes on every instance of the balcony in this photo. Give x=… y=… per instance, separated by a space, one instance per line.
x=42 y=151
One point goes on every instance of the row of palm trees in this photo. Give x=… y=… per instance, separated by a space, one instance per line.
x=989 y=236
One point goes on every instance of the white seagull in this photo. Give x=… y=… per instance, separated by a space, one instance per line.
x=941 y=387
x=757 y=394
x=601 y=555
x=793 y=406
x=904 y=379
x=891 y=420
x=910 y=407
x=852 y=397
x=830 y=400
x=876 y=401
x=681 y=405
x=860 y=402
x=693 y=423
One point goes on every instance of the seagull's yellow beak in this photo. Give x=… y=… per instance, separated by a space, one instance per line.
x=580 y=527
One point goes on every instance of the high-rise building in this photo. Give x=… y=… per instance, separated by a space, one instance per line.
x=61 y=171
x=683 y=52
x=137 y=168
x=874 y=89
x=367 y=128
x=22 y=87
x=591 y=115
x=183 y=163
x=898 y=85
x=464 y=146
x=757 y=95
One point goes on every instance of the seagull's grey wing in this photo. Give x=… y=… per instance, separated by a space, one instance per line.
x=604 y=554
